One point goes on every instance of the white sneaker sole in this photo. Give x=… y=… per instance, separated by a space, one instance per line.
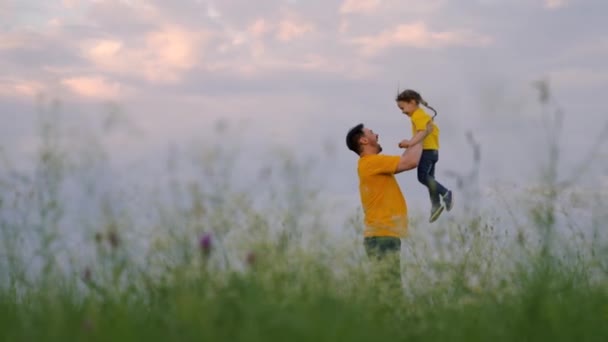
x=436 y=214
x=451 y=203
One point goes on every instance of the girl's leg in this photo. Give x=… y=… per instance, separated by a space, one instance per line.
x=426 y=170
x=426 y=176
x=438 y=187
x=441 y=190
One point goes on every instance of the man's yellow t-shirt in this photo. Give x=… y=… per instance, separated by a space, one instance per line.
x=419 y=120
x=384 y=206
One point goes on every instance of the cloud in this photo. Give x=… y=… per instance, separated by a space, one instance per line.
x=266 y=64
x=417 y=35
x=158 y=56
x=20 y=88
x=212 y=12
x=96 y=87
x=273 y=60
x=359 y=6
x=290 y=29
x=376 y=7
x=555 y=4
x=580 y=77
x=25 y=39
x=258 y=28
x=69 y=4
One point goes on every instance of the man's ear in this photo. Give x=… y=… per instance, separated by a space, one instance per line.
x=363 y=141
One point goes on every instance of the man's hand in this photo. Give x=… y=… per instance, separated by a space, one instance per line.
x=404 y=143
x=410 y=158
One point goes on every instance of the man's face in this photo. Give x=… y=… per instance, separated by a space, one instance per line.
x=371 y=139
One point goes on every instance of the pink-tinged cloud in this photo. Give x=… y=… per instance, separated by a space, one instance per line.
x=375 y=7
x=344 y=26
x=258 y=28
x=250 y=53
x=69 y=4
x=359 y=6
x=555 y=4
x=55 y=23
x=13 y=40
x=20 y=88
x=268 y=62
x=417 y=35
x=4 y=9
x=95 y=87
x=161 y=56
x=580 y=77
x=291 y=28
x=287 y=29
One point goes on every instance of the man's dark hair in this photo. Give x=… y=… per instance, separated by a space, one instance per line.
x=352 y=138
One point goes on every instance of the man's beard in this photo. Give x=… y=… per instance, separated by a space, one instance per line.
x=379 y=148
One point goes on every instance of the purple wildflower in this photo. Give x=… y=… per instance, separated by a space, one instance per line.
x=250 y=258
x=113 y=239
x=98 y=238
x=205 y=244
x=88 y=325
x=86 y=275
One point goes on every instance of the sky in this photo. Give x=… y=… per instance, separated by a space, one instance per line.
x=296 y=75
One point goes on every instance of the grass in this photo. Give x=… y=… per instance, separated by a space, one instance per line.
x=248 y=307
x=212 y=264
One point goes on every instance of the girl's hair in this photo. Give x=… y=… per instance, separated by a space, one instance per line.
x=408 y=95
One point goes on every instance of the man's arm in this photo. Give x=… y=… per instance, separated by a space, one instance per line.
x=409 y=159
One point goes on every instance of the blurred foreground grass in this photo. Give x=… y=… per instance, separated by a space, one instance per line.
x=300 y=307
x=209 y=263
x=294 y=297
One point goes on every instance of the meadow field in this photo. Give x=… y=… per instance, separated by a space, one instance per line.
x=194 y=258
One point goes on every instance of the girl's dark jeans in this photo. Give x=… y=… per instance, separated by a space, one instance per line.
x=426 y=175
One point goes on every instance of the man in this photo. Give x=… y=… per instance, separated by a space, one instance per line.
x=384 y=207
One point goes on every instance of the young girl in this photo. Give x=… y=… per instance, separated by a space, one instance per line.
x=425 y=131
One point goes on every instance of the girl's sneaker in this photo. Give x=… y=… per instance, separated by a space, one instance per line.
x=448 y=200
x=436 y=210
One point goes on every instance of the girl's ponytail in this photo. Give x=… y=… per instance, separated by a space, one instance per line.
x=426 y=104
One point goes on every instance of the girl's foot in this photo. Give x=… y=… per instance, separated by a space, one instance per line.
x=448 y=200
x=435 y=212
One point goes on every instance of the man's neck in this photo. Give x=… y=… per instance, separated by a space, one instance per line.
x=367 y=153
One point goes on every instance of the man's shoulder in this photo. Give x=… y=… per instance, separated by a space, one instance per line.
x=375 y=161
x=374 y=157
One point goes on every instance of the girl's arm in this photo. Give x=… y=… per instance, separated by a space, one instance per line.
x=420 y=135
